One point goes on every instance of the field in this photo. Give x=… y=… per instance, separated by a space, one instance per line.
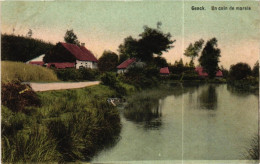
x=25 y=72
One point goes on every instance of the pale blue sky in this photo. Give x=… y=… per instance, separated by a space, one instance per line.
x=104 y=25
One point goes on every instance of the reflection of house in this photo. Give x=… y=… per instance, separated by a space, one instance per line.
x=164 y=71
x=129 y=63
x=64 y=54
x=37 y=61
x=202 y=73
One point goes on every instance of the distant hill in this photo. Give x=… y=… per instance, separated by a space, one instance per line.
x=20 y=48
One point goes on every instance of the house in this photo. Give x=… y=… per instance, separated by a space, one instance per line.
x=164 y=71
x=64 y=54
x=123 y=67
x=37 y=61
x=204 y=74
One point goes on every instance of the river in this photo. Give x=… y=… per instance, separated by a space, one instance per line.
x=199 y=122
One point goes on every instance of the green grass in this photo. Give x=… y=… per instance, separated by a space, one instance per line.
x=70 y=125
x=26 y=72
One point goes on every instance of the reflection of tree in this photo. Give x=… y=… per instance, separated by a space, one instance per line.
x=208 y=98
x=238 y=92
x=145 y=110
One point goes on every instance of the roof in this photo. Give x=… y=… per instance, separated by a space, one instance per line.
x=126 y=63
x=219 y=73
x=164 y=70
x=37 y=59
x=80 y=53
x=61 y=65
x=37 y=63
x=202 y=73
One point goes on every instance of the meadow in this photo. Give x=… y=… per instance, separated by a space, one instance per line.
x=12 y=71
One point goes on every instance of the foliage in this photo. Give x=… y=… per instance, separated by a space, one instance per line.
x=71 y=125
x=210 y=57
x=142 y=77
x=108 y=61
x=110 y=79
x=224 y=72
x=255 y=70
x=152 y=41
x=160 y=62
x=193 y=50
x=71 y=37
x=239 y=71
x=20 y=48
x=25 y=72
x=72 y=74
x=16 y=96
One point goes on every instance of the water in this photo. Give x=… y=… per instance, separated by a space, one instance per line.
x=206 y=122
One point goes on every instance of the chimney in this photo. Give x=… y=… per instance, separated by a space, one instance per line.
x=83 y=44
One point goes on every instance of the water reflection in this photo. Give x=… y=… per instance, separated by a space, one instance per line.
x=208 y=98
x=239 y=92
x=146 y=111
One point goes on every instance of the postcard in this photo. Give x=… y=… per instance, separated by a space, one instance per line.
x=130 y=81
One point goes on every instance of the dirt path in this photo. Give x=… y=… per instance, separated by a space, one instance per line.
x=59 y=86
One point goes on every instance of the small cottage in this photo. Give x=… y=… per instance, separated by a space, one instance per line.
x=204 y=74
x=164 y=71
x=37 y=61
x=123 y=67
x=66 y=55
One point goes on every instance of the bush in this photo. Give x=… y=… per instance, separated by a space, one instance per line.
x=17 y=96
x=72 y=74
x=239 y=71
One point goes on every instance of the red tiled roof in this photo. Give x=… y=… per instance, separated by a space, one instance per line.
x=126 y=63
x=41 y=63
x=219 y=74
x=202 y=73
x=61 y=65
x=164 y=70
x=80 y=53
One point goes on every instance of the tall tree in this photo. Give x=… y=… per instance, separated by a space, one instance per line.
x=193 y=50
x=209 y=58
x=152 y=41
x=71 y=37
x=108 y=61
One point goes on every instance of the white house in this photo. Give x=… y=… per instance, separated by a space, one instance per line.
x=67 y=53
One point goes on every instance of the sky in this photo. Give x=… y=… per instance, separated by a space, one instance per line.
x=103 y=25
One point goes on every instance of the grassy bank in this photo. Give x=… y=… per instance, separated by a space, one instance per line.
x=25 y=72
x=70 y=125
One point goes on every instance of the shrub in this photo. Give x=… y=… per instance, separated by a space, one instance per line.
x=239 y=71
x=72 y=74
x=17 y=96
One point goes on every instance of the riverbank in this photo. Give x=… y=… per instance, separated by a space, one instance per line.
x=69 y=125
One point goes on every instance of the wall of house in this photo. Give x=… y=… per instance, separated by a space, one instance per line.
x=86 y=64
x=121 y=71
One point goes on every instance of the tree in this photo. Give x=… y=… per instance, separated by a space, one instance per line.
x=128 y=49
x=108 y=61
x=160 y=62
x=152 y=41
x=255 y=71
x=209 y=58
x=71 y=37
x=193 y=50
x=239 y=71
